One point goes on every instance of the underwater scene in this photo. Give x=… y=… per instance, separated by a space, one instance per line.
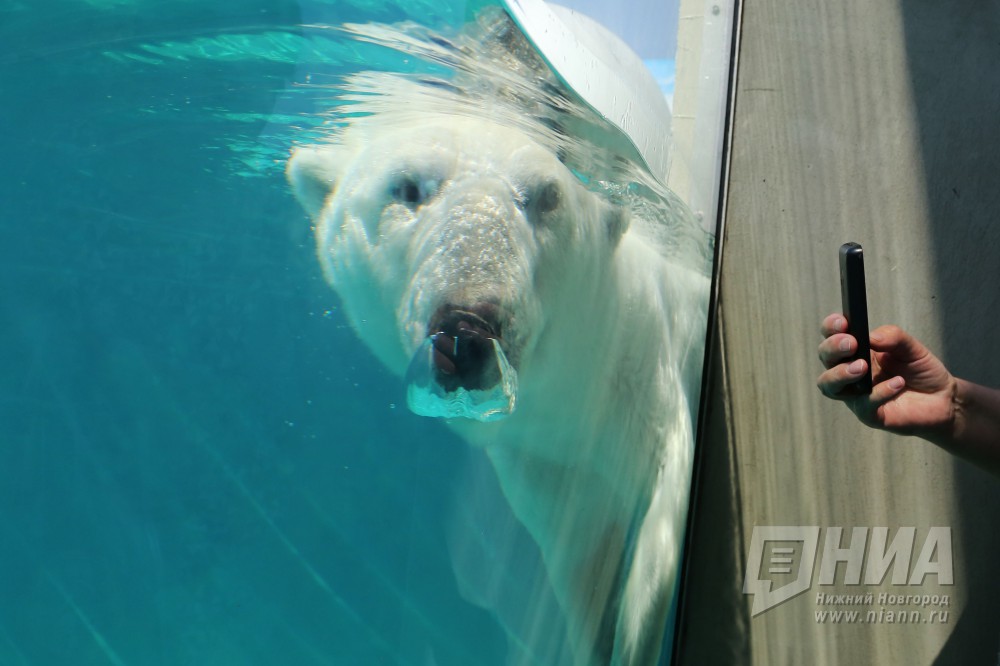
x=341 y=332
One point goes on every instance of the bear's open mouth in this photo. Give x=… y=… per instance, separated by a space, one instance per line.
x=461 y=369
x=463 y=348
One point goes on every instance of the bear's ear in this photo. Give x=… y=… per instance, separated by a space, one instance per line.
x=312 y=172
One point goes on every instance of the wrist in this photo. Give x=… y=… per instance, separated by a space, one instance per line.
x=947 y=429
x=962 y=400
x=974 y=429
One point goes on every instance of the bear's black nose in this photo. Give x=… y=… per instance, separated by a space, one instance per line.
x=463 y=354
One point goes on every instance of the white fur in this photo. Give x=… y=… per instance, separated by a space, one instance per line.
x=606 y=335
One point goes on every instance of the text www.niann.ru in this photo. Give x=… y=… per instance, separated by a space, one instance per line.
x=881 y=616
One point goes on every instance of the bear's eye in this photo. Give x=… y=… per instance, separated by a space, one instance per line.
x=543 y=199
x=413 y=191
x=548 y=198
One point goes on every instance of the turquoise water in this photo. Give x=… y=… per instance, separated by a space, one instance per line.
x=199 y=461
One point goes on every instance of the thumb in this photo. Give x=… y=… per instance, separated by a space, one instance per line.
x=903 y=346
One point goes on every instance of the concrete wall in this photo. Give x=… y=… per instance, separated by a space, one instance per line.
x=876 y=121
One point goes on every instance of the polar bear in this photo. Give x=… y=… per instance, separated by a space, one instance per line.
x=463 y=236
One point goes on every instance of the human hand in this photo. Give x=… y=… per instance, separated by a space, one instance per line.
x=913 y=393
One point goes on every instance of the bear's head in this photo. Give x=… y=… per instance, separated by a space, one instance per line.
x=454 y=227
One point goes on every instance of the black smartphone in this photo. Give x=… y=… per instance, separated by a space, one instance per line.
x=854 y=302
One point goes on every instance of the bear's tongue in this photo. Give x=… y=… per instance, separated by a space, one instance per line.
x=461 y=370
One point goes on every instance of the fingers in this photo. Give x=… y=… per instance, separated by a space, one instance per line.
x=836 y=348
x=885 y=391
x=834 y=323
x=873 y=409
x=833 y=382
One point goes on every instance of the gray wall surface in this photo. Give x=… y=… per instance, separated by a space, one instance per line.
x=876 y=121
